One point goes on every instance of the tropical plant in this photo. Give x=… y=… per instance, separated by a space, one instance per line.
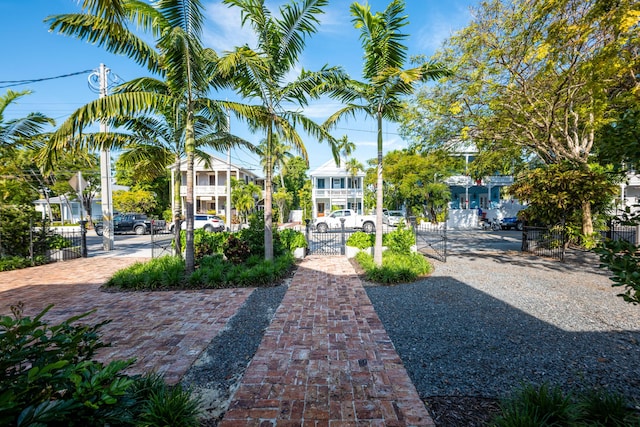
x=178 y=57
x=21 y=131
x=386 y=82
x=244 y=197
x=263 y=74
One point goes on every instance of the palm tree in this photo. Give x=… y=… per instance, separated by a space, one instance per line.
x=345 y=147
x=20 y=131
x=279 y=155
x=386 y=82
x=178 y=57
x=353 y=167
x=262 y=74
x=244 y=197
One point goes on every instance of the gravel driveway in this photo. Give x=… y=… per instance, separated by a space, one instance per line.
x=488 y=320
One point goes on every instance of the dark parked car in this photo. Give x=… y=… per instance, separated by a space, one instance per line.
x=511 y=222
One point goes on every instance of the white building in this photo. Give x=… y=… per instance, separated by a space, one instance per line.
x=211 y=189
x=334 y=186
x=630 y=192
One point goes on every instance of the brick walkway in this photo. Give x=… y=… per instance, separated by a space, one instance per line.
x=326 y=360
x=166 y=331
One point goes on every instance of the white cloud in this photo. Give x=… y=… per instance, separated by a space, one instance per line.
x=223 y=30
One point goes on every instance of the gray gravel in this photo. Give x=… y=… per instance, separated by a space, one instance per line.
x=216 y=374
x=483 y=324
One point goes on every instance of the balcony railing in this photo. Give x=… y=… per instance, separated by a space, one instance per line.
x=206 y=190
x=337 y=192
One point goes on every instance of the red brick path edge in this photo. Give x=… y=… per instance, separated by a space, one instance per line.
x=165 y=331
x=326 y=360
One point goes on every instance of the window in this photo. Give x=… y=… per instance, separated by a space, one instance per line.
x=338 y=183
x=320 y=183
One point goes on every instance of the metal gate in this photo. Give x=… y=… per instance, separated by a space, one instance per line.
x=161 y=243
x=332 y=242
x=431 y=239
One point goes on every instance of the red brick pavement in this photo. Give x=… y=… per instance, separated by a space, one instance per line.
x=326 y=360
x=165 y=331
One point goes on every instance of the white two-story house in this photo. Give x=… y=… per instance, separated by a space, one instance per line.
x=333 y=186
x=211 y=189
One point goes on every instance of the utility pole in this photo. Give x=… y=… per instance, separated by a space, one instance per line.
x=105 y=164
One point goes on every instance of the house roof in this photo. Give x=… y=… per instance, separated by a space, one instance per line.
x=216 y=164
x=331 y=169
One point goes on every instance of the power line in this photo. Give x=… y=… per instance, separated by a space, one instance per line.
x=11 y=83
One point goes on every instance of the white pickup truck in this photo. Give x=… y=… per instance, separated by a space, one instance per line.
x=351 y=220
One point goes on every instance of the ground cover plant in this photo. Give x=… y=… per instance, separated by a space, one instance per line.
x=546 y=405
x=399 y=263
x=48 y=376
x=223 y=260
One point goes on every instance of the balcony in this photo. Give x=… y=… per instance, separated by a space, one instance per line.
x=326 y=193
x=206 y=190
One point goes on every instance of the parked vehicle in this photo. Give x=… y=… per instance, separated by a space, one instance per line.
x=351 y=220
x=393 y=218
x=511 y=222
x=209 y=223
x=132 y=223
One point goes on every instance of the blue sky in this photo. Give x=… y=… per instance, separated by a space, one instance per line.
x=31 y=52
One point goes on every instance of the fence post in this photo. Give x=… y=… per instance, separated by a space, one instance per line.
x=83 y=238
x=342 y=239
x=306 y=232
x=638 y=235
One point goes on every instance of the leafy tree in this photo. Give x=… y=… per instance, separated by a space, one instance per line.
x=415 y=178
x=140 y=201
x=178 y=57
x=21 y=131
x=305 y=200
x=263 y=74
x=533 y=78
x=295 y=179
x=556 y=193
x=386 y=82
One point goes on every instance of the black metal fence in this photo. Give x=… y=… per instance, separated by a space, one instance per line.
x=543 y=241
x=618 y=231
x=161 y=243
x=431 y=239
x=331 y=242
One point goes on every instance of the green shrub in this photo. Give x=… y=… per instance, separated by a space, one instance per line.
x=254 y=237
x=548 y=406
x=400 y=240
x=16 y=262
x=56 y=241
x=49 y=378
x=205 y=242
x=166 y=272
x=236 y=250
x=293 y=239
x=396 y=267
x=361 y=240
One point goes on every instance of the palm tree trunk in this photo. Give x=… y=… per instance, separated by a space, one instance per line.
x=377 y=249
x=268 y=211
x=190 y=148
x=177 y=213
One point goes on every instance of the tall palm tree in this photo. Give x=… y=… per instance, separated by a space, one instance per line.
x=386 y=82
x=353 y=167
x=345 y=147
x=178 y=57
x=262 y=74
x=279 y=156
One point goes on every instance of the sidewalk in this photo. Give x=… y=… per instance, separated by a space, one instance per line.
x=326 y=360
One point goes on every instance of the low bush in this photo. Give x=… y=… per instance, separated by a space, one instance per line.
x=17 y=262
x=400 y=240
x=49 y=377
x=212 y=272
x=166 y=272
x=361 y=240
x=396 y=267
x=205 y=242
x=545 y=405
x=293 y=239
